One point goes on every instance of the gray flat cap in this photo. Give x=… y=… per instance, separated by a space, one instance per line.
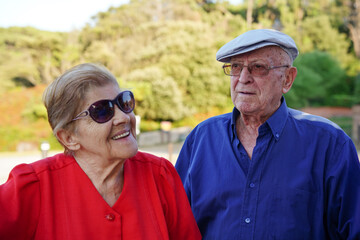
x=255 y=39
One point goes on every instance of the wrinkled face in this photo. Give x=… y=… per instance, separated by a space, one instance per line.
x=115 y=139
x=260 y=96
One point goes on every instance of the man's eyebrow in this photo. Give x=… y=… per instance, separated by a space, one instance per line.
x=250 y=60
x=236 y=61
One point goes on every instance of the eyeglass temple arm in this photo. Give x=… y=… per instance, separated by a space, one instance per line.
x=81 y=115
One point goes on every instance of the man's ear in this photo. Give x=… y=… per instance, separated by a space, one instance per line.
x=68 y=139
x=290 y=77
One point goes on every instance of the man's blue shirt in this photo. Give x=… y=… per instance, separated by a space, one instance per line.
x=303 y=181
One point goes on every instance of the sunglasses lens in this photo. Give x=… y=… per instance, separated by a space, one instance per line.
x=102 y=111
x=126 y=101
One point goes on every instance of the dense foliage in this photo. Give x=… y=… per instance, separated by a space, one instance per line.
x=164 y=51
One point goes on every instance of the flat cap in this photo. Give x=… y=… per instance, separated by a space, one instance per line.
x=255 y=39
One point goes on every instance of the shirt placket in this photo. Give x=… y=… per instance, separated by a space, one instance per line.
x=113 y=223
x=251 y=189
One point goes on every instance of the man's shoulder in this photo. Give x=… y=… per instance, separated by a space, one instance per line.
x=211 y=127
x=314 y=123
x=312 y=119
x=219 y=119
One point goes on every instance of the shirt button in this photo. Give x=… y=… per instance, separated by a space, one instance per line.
x=277 y=135
x=110 y=217
x=252 y=185
x=247 y=220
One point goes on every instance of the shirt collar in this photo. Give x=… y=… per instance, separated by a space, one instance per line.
x=276 y=122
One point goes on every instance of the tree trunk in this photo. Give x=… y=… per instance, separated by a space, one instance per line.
x=249 y=13
x=354 y=25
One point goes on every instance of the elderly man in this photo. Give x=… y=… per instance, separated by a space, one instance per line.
x=266 y=171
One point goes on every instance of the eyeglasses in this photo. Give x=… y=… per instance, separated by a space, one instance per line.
x=103 y=110
x=256 y=69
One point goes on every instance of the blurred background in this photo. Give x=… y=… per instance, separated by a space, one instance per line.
x=164 y=51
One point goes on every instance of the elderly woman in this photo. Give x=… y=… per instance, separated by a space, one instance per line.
x=101 y=187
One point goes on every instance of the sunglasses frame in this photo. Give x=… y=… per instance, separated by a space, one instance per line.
x=113 y=102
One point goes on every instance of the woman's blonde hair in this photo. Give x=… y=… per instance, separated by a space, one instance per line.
x=65 y=95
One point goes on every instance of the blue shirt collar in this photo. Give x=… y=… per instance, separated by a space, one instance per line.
x=276 y=122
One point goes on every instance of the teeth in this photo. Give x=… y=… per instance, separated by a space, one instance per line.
x=125 y=134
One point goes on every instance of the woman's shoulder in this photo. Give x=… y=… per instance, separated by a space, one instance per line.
x=158 y=168
x=28 y=175
x=150 y=161
x=52 y=163
x=148 y=158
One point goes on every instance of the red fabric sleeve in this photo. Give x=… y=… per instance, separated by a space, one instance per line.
x=19 y=204
x=180 y=220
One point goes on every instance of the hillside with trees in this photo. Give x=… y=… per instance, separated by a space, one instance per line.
x=164 y=51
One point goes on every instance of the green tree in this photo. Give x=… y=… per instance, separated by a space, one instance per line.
x=177 y=39
x=320 y=81
x=29 y=56
x=164 y=50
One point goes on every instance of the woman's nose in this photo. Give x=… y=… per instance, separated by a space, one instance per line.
x=120 y=116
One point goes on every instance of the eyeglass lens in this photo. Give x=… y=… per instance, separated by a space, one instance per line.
x=255 y=69
x=126 y=101
x=103 y=110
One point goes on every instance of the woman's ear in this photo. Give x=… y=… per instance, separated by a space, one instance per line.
x=68 y=139
x=290 y=77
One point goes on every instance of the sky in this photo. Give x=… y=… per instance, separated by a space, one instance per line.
x=52 y=15
x=55 y=15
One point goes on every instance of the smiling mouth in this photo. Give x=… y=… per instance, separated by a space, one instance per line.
x=125 y=134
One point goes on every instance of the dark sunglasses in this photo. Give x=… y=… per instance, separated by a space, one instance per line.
x=103 y=110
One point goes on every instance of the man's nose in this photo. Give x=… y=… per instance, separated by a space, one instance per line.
x=245 y=75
